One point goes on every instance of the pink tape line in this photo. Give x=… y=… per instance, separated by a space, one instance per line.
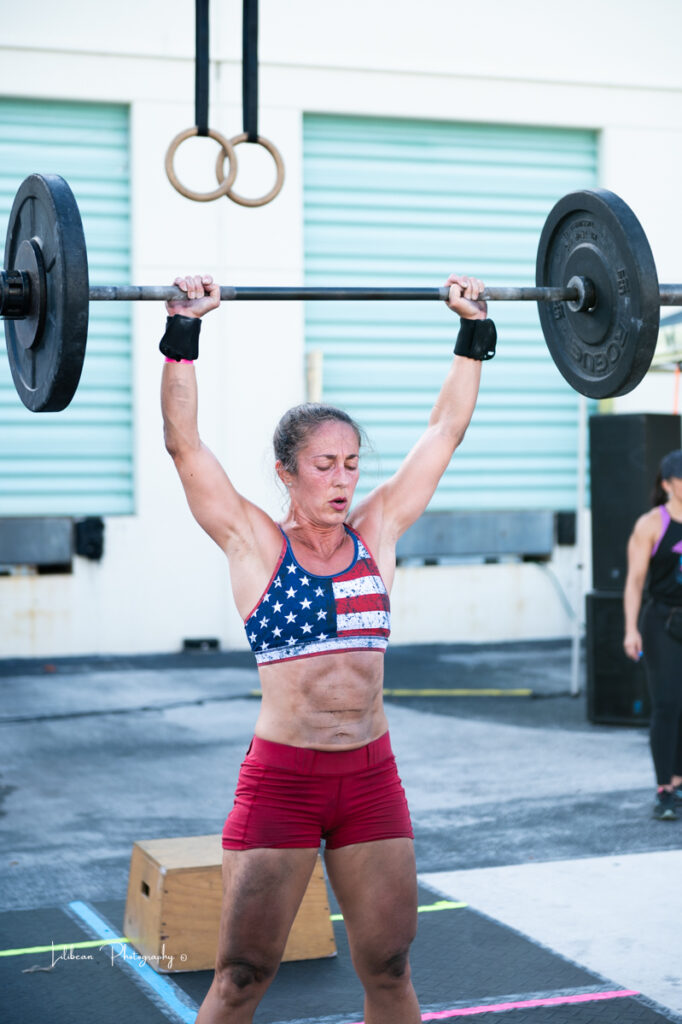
x=586 y=997
x=169 y=360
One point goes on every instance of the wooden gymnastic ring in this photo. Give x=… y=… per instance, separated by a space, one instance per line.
x=279 y=164
x=226 y=150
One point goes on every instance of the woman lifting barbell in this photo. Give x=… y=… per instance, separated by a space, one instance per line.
x=313 y=593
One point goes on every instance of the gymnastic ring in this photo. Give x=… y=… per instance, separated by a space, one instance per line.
x=279 y=164
x=227 y=150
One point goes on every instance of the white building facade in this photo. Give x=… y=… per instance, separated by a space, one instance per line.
x=415 y=143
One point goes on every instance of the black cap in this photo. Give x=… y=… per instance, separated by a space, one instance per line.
x=671 y=465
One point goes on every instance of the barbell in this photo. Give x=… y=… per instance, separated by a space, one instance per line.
x=595 y=284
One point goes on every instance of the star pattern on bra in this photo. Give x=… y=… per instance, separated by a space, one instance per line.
x=315 y=614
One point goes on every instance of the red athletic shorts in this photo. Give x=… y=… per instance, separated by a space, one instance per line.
x=293 y=797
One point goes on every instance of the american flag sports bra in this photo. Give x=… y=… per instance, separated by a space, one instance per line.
x=301 y=615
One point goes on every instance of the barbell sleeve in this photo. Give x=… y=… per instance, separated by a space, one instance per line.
x=670 y=294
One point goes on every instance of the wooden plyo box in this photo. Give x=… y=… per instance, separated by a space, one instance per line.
x=174 y=899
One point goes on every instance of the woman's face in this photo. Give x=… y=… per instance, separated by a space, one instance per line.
x=673 y=488
x=323 y=485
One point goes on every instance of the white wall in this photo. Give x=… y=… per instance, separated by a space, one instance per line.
x=534 y=63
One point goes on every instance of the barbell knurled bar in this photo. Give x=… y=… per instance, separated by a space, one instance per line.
x=596 y=287
x=166 y=293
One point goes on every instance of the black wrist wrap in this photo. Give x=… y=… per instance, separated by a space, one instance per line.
x=476 y=339
x=181 y=340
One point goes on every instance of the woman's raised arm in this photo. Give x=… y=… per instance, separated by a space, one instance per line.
x=217 y=506
x=399 y=501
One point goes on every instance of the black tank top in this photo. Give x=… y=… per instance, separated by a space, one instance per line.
x=665 y=567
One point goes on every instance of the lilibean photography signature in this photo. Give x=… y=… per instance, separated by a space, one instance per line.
x=117 y=952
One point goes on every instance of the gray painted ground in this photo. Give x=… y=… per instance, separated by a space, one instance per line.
x=506 y=793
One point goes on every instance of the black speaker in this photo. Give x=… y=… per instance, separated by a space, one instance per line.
x=617 y=691
x=90 y=538
x=625 y=453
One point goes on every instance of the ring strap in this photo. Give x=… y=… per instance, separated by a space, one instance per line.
x=250 y=69
x=201 y=68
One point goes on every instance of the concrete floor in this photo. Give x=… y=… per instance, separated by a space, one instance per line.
x=521 y=807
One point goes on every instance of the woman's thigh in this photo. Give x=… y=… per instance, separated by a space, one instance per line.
x=376 y=886
x=662 y=659
x=262 y=891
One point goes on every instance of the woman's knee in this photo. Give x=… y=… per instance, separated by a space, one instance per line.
x=384 y=968
x=240 y=980
x=397 y=966
x=665 y=714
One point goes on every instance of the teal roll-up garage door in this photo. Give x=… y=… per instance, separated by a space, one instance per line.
x=394 y=202
x=77 y=462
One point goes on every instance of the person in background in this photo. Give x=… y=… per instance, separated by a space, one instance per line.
x=655 y=552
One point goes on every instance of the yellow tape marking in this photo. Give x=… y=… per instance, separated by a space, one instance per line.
x=458 y=693
x=62 y=945
x=427 y=908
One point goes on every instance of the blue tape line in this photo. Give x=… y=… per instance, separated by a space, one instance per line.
x=165 y=990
